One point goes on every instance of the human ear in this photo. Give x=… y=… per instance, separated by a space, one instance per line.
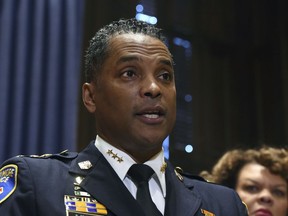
x=88 y=95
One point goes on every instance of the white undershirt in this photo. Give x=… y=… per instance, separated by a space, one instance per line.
x=157 y=184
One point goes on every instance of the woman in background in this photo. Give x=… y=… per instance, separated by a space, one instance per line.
x=260 y=177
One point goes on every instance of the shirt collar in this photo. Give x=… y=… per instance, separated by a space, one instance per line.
x=121 y=161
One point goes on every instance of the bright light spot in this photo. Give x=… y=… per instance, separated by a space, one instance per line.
x=186 y=44
x=153 y=20
x=139 y=8
x=146 y=18
x=188 y=148
x=177 y=41
x=188 y=98
x=181 y=42
x=166 y=147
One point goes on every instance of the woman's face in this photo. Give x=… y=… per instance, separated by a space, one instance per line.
x=264 y=193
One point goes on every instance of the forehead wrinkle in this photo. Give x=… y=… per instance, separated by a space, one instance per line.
x=128 y=58
x=152 y=47
x=130 y=50
x=140 y=48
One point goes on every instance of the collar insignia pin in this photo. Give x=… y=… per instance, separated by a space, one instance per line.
x=85 y=165
x=78 y=180
x=114 y=155
x=163 y=167
x=120 y=159
x=110 y=151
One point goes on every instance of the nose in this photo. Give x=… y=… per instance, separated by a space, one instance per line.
x=266 y=197
x=150 y=88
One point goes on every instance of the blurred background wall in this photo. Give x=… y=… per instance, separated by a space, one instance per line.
x=40 y=61
x=231 y=73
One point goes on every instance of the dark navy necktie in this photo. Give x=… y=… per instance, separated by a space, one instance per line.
x=140 y=175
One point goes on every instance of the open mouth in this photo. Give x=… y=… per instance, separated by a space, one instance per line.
x=151 y=114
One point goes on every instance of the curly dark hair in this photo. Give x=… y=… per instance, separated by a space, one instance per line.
x=227 y=169
x=98 y=49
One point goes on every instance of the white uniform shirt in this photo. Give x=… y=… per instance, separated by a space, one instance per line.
x=121 y=163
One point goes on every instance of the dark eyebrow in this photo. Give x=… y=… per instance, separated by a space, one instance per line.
x=128 y=58
x=259 y=183
x=166 y=62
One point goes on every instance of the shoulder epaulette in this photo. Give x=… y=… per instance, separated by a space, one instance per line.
x=180 y=173
x=63 y=154
x=191 y=176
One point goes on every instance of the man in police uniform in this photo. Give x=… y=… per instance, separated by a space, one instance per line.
x=130 y=90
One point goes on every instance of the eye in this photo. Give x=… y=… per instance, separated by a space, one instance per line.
x=279 y=193
x=166 y=76
x=129 y=73
x=251 y=188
